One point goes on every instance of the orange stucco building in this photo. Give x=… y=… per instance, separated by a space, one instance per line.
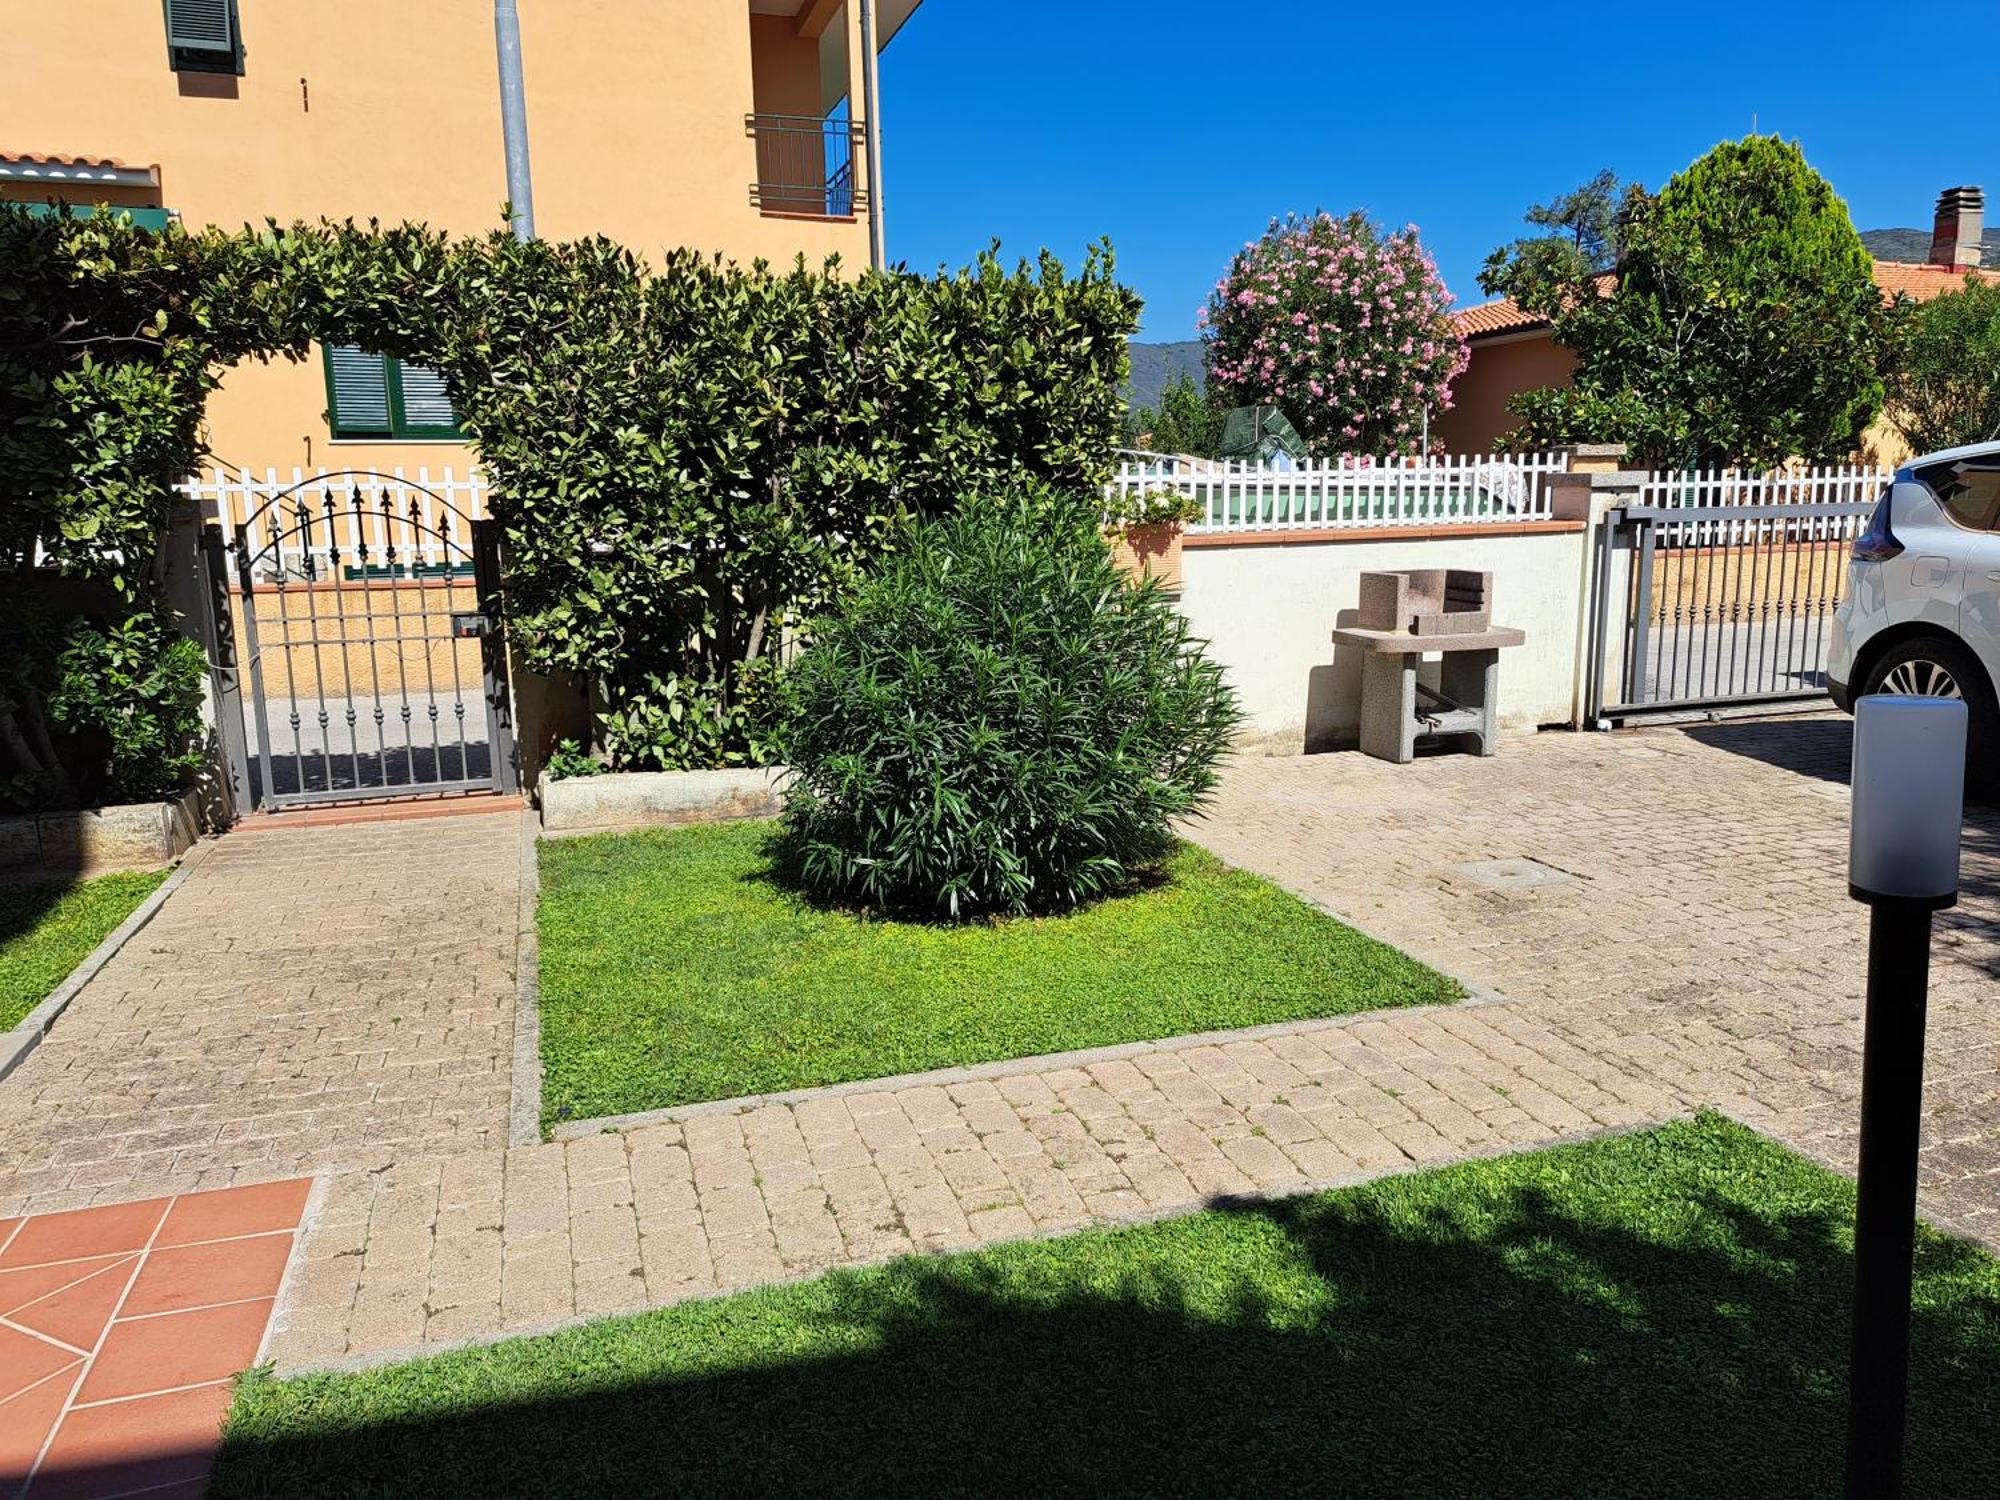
x=724 y=125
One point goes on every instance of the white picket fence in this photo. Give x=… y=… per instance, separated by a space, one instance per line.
x=1822 y=484
x=1350 y=493
x=1705 y=495
x=325 y=523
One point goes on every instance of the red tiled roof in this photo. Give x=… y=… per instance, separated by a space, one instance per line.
x=1918 y=282
x=1505 y=315
x=57 y=164
x=1922 y=282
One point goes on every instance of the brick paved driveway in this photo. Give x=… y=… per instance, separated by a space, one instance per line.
x=1681 y=937
x=1705 y=935
x=310 y=998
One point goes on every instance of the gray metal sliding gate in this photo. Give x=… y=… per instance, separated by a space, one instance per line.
x=1703 y=606
x=375 y=667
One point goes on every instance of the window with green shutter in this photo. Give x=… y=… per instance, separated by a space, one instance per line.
x=379 y=396
x=203 y=36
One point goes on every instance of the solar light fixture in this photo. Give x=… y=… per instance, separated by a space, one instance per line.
x=1908 y=787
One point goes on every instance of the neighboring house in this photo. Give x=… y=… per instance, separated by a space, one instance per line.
x=723 y=125
x=1513 y=350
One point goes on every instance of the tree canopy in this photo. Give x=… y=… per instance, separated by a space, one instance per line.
x=1187 y=420
x=1944 y=377
x=1744 y=327
x=1579 y=239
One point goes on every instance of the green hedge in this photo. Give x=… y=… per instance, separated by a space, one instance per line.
x=690 y=460
x=687 y=460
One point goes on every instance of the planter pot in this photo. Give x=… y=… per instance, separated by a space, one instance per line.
x=130 y=836
x=658 y=799
x=1151 y=551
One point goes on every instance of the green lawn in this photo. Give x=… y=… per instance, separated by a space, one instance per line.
x=673 y=969
x=48 y=929
x=1656 y=1314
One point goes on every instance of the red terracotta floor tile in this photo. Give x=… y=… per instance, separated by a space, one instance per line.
x=158 y=1303
x=80 y=1312
x=32 y=1283
x=26 y=1421
x=129 y=1445
x=176 y=1349
x=231 y=1211
x=24 y=1360
x=184 y=1276
x=83 y=1231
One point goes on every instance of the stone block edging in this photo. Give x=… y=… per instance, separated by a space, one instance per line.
x=524 y=1110
x=27 y=1035
x=658 y=799
x=1047 y=1062
x=90 y=840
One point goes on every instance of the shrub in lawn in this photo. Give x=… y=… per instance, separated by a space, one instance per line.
x=997 y=722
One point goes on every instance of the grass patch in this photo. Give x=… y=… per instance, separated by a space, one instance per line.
x=674 y=969
x=46 y=930
x=1656 y=1314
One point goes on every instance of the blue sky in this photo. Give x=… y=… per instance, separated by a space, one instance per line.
x=1179 y=128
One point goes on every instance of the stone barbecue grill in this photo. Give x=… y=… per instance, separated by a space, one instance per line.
x=1403 y=617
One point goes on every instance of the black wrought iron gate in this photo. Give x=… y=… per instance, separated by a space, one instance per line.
x=366 y=645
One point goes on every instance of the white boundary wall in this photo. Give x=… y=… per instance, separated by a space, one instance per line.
x=1269 y=609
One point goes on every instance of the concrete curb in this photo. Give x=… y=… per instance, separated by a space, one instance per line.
x=571 y=1130
x=322 y=1184
x=354 y=1363
x=524 y=1111
x=27 y=1035
x=624 y=801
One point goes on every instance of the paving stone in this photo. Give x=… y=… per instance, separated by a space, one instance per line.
x=1701 y=951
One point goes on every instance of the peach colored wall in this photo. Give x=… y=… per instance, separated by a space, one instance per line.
x=784 y=68
x=1497 y=370
x=390 y=109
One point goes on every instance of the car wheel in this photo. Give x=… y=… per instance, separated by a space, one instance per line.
x=1936 y=666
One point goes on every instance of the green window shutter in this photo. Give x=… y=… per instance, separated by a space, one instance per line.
x=425 y=404
x=201 y=25
x=203 y=36
x=357 y=392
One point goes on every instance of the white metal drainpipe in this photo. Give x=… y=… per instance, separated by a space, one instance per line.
x=514 y=118
x=871 y=109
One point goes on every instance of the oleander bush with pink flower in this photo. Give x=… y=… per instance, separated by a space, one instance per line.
x=1346 y=328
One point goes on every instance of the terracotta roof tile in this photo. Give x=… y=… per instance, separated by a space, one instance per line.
x=1918 y=282
x=1922 y=282
x=57 y=163
x=1505 y=315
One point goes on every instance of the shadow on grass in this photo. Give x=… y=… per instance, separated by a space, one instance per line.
x=24 y=904
x=1332 y=1345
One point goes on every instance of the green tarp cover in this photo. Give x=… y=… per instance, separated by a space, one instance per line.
x=1260 y=432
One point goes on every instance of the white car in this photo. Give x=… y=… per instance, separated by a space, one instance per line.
x=1922 y=612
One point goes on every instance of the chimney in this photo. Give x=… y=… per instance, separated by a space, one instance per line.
x=1958 y=229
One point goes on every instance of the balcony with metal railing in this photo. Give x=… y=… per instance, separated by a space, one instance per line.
x=806 y=166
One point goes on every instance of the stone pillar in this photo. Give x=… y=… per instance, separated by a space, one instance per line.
x=1589 y=496
x=1595 y=458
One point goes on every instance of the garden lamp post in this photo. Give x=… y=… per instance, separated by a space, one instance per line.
x=1908 y=789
